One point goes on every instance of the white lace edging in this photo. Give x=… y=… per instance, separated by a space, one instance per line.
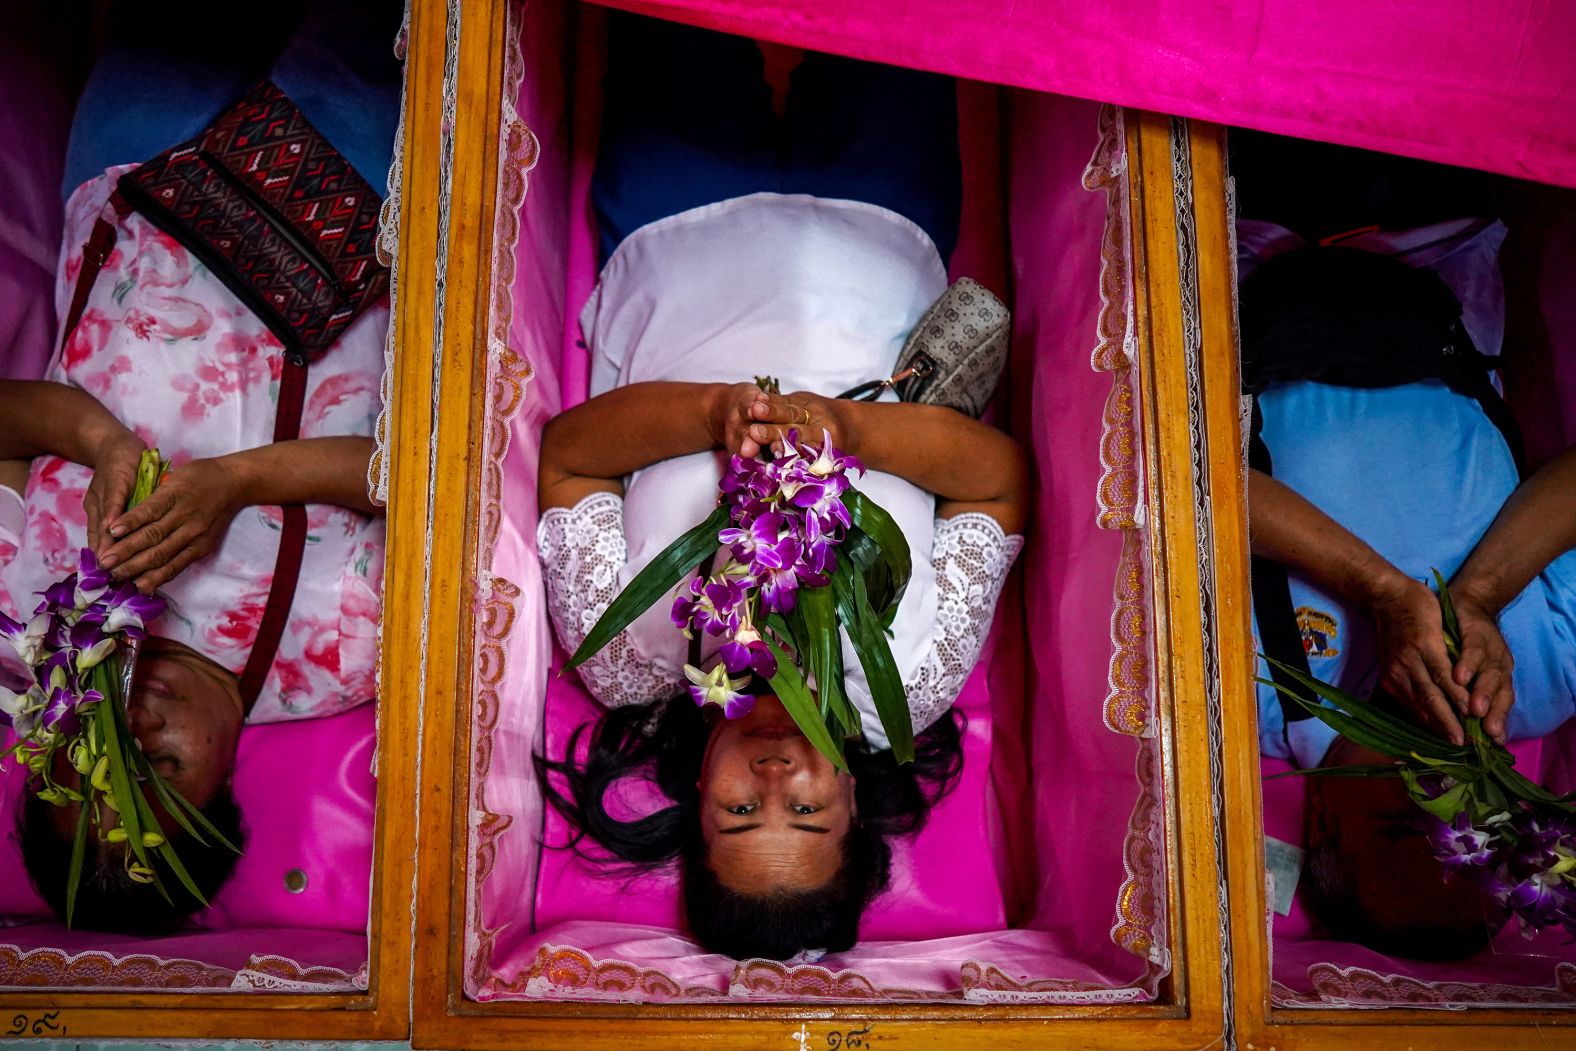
x=582 y=549
x=971 y=556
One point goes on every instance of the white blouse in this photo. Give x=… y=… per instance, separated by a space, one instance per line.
x=820 y=294
x=583 y=552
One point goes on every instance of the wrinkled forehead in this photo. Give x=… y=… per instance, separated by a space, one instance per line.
x=774 y=859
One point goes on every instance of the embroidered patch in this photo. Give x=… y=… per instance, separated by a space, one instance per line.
x=1318 y=630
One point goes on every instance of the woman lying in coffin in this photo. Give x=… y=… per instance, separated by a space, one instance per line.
x=806 y=249
x=166 y=355
x=1379 y=460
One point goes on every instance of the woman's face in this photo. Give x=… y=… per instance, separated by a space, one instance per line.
x=774 y=810
x=185 y=712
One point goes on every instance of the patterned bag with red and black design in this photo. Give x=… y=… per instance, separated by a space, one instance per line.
x=276 y=212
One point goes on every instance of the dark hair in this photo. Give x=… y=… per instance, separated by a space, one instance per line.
x=665 y=742
x=1442 y=919
x=109 y=899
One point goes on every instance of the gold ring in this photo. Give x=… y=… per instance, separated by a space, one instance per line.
x=806 y=421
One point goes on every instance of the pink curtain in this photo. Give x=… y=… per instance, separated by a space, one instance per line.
x=1487 y=84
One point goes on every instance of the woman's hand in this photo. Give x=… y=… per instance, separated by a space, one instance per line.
x=113 y=454
x=810 y=414
x=1484 y=666
x=1414 y=667
x=732 y=410
x=182 y=521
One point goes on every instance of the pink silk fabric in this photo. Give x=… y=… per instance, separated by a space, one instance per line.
x=1011 y=890
x=306 y=792
x=1487 y=84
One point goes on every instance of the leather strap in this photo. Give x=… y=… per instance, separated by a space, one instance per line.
x=1279 y=632
x=95 y=250
x=287 y=427
x=292 y=542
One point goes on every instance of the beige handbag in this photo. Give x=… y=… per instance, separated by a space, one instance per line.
x=954 y=356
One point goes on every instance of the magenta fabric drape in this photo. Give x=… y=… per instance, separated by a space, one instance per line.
x=1487 y=84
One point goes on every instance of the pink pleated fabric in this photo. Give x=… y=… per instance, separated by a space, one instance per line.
x=1485 y=84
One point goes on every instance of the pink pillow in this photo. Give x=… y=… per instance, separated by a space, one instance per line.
x=306 y=793
x=943 y=883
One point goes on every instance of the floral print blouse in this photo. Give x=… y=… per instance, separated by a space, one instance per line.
x=175 y=356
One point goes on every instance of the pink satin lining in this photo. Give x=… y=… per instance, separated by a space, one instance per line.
x=1020 y=868
x=306 y=794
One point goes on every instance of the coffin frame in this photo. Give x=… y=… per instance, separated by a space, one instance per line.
x=1192 y=1010
x=382 y=1012
x=1258 y=1023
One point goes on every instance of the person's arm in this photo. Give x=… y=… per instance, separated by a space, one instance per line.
x=1285 y=526
x=968 y=465
x=1536 y=526
x=591 y=447
x=55 y=419
x=187 y=515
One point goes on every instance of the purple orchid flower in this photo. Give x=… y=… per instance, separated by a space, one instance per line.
x=747 y=480
x=92 y=581
x=128 y=611
x=28 y=640
x=763 y=540
x=61 y=597
x=60 y=712
x=1536 y=900
x=715 y=687
x=779 y=589
x=1458 y=845
x=748 y=652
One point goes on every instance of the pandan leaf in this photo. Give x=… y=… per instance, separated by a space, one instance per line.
x=1355 y=729
x=651 y=583
x=875 y=656
x=120 y=786
x=874 y=521
x=78 y=850
x=791 y=690
x=1368 y=714
x=1447 y=611
x=1353 y=770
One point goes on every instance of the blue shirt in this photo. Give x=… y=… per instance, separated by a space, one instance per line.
x=146 y=94
x=1419 y=473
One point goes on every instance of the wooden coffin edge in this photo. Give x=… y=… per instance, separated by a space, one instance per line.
x=382 y=1012
x=1258 y=1023
x=1194 y=1015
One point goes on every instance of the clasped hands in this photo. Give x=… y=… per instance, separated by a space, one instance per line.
x=1416 y=669
x=184 y=519
x=744 y=419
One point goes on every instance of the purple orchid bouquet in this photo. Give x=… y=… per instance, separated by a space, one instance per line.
x=1487 y=823
x=79 y=646
x=804 y=557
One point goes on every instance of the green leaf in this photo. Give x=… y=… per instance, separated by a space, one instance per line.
x=825 y=647
x=791 y=690
x=871 y=519
x=1355 y=729
x=651 y=583
x=121 y=789
x=1413 y=737
x=1447 y=610
x=1353 y=770
x=875 y=656
x=145 y=814
x=1445 y=807
x=173 y=860
x=78 y=849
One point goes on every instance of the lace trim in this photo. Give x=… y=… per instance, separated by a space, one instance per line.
x=971 y=556
x=583 y=548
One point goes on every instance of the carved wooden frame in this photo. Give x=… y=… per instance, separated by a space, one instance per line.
x=1258 y=1023
x=1192 y=1012
x=382 y=1012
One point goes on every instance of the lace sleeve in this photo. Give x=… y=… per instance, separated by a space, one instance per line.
x=582 y=549
x=971 y=555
